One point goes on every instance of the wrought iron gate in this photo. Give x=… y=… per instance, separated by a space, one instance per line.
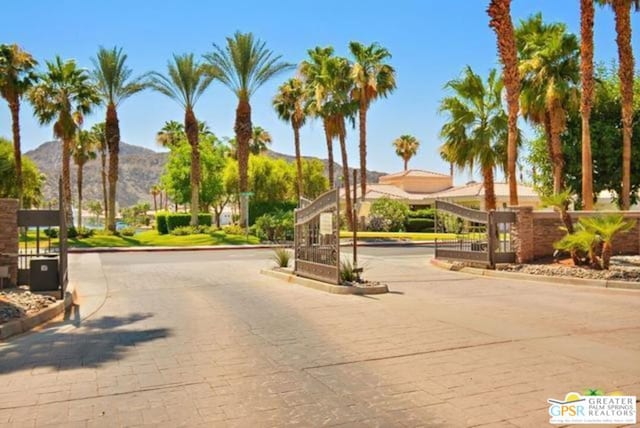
x=482 y=237
x=317 y=238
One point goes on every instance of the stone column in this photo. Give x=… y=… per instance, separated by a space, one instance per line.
x=522 y=234
x=9 y=237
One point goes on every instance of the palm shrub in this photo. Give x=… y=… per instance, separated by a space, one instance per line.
x=560 y=204
x=606 y=228
x=582 y=244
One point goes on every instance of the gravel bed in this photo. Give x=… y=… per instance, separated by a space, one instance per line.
x=19 y=302
x=623 y=268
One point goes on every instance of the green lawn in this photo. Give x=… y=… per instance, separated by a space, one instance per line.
x=151 y=238
x=411 y=236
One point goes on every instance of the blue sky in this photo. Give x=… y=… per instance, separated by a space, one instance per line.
x=431 y=41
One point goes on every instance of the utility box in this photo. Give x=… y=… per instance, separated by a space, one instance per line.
x=43 y=274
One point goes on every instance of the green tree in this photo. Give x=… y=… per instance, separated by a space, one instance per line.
x=95 y=208
x=32 y=178
x=171 y=134
x=289 y=104
x=314 y=182
x=393 y=213
x=476 y=130
x=17 y=76
x=99 y=135
x=186 y=82
x=549 y=67
x=82 y=151
x=373 y=78
x=113 y=79
x=244 y=65
x=64 y=96
x=260 y=140
x=406 y=147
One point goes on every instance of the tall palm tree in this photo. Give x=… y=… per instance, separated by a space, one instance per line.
x=244 y=64
x=113 y=78
x=549 y=66
x=500 y=13
x=17 y=76
x=64 y=96
x=622 y=11
x=311 y=71
x=406 y=147
x=289 y=104
x=82 y=151
x=171 y=134
x=260 y=140
x=186 y=81
x=373 y=78
x=98 y=132
x=586 y=98
x=476 y=130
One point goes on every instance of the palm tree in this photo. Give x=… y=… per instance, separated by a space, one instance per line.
x=17 y=76
x=99 y=135
x=65 y=95
x=607 y=228
x=500 y=13
x=476 y=131
x=549 y=66
x=622 y=11
x=243 y=65
x=406 y=147
x=171 y=134
x=260 y=140
x=82 y=151
x=586 y=98
x=289 y=104
x=373 y=78
x=311 y=71
x=155 y=191
x=187 y=80
x=113 y=78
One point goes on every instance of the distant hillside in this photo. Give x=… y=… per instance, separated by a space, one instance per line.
x=140 y=169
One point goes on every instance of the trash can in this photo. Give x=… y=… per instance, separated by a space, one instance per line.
x=43 y=274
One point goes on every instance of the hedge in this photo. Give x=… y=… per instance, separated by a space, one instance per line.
x=419 y=225
x=166 y=222
x=258 y=209
x=424 y=213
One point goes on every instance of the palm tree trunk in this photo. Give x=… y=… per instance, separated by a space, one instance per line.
x=155 y=201
x=622 y=10
x=345 y=173
x=244 y=130
x=363 y=147
x=406 y=163
x=191 y=129
x=296 y=143
x=80 y=177
x=489 y=190
x=327 y=134
x=103 y=174
x=606 y=255
x=66 y=180
x=555 y=145
x=586 y=71
x=112 y=131
x=500 y=13
x=14 y=106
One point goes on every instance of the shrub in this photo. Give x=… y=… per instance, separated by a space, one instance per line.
x=161 y=222
x=80 y=233
x=281 y=256
x=424 y=213
x=175 y=220
x=606 y=228
x=201 y=228
x=182 y=231
x=347 y=273
x=127 y=231
x=102 y=232
x=233 y=229
x=393 y=211
x=258 y=209
x=275 y=227
x=419 y=225
x=378 y=223
x=581 y=245
x=51 y=232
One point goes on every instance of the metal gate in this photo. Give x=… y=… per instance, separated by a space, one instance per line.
x=481 y=237
x=317 y=238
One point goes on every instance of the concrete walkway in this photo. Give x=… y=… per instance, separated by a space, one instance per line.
x=200 y=338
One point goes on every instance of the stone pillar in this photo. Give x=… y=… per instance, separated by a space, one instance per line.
x=9 y=237
x=522 y=235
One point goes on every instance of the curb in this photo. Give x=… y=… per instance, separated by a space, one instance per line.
x=22 y=325
x=563 y=280
x=322 y=286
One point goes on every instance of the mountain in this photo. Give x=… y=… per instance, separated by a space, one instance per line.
x=140 y=168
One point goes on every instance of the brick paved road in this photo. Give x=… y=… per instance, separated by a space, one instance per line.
x=187 y=339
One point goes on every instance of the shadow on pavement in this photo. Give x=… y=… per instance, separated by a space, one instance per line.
x=95 y=342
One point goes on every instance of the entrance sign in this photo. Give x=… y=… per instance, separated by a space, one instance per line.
x=326 y=224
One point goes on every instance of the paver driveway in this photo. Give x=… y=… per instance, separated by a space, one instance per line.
x=183 y=339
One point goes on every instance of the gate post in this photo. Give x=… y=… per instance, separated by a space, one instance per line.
x=9 y=237
x=522 y=234
x=491 y=239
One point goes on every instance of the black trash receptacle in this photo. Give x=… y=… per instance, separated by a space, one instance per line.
x=43 y=274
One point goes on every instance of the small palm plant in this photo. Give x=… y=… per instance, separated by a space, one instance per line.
x=560 y=204
x=580 y=243
x=607 y=228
